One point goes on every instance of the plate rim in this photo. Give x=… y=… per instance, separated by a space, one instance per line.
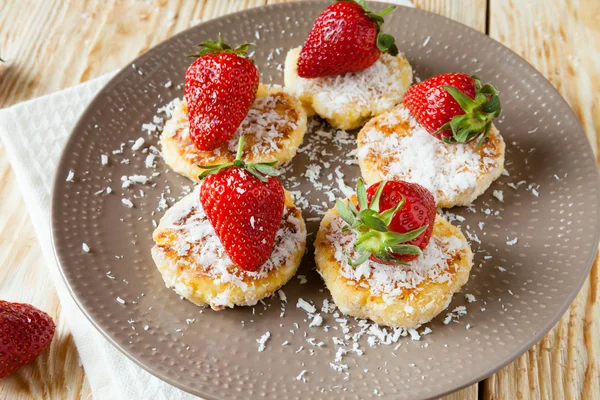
x=528 y=343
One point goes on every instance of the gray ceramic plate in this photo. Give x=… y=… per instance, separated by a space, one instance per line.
x=520 y=292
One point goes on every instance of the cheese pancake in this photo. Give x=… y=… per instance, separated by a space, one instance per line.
x=193 y=262
x=394 y=295
x=394 y=145
x=347 y=101
x=273 y=130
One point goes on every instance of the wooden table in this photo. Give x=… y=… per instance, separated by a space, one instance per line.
x=53 y=44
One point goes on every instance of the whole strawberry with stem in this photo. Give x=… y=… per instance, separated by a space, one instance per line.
x=393 y=221
x=25 y=332
x=454 y=107
x=220 y=87
x=244 y=204
x=346 y=37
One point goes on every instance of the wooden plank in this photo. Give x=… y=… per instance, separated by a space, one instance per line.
x=562 y=40
x=56 y=374
x=59 y=44
x=469 y=12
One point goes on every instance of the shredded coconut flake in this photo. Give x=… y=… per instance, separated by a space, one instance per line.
x=150 y=160
x=306 y=306
x=449 y=170
x=301 y=376
x=263 y=122
x=390 y=281
x=127 y=202
x=499 y=195
x=368 y=89
x=282 y=295
x=317 y=321
x=262 y=341
x=195 y=240
x=138 y=144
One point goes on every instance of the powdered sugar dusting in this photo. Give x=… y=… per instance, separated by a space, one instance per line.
x=390 y=280
x=448 y=171
x=199 y=247
x=264 y=126
x=368 y=89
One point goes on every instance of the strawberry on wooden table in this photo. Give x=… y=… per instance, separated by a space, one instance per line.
x=244 y=204
x=25 y=332
x=220 y=87
x=346 y=37
x=393 y=221
x=454 y=107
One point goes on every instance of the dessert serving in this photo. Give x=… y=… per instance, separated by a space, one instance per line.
x=207 y=133
x=234 y=240
x=274 y=129
x=400 y=289
x=385 y=255
x=442 y=137
x=238 y=236
x=348 y=70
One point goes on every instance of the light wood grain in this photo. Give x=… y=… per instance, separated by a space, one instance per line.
x=80 y=40
x=562 y=40
x=56 y=374
x=469 y=12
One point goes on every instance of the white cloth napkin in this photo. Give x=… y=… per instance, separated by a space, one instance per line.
x=34 y=133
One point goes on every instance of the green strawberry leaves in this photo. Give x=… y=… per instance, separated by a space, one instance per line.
x=211 y=47
x=385 y=42
x=476 y=122
x=371 y=228
x=259 y=170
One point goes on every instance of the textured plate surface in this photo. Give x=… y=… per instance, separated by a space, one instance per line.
x=520 y=291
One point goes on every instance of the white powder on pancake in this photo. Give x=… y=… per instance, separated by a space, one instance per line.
x=195 y=239
x=419 y=157
x=263 y=122
x=266 y=124
x=365 y=89
x=390 y=280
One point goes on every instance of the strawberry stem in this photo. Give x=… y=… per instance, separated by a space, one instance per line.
x=217 y=47
x=258 y=170
x=372 y=227
x=476 y=122
x=238 y=162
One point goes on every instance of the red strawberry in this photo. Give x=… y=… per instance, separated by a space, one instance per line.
x=393 y=221
x=25 y=332
x=346 y=37
x=220 y=87
x=244 y=203
x=454 y=107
